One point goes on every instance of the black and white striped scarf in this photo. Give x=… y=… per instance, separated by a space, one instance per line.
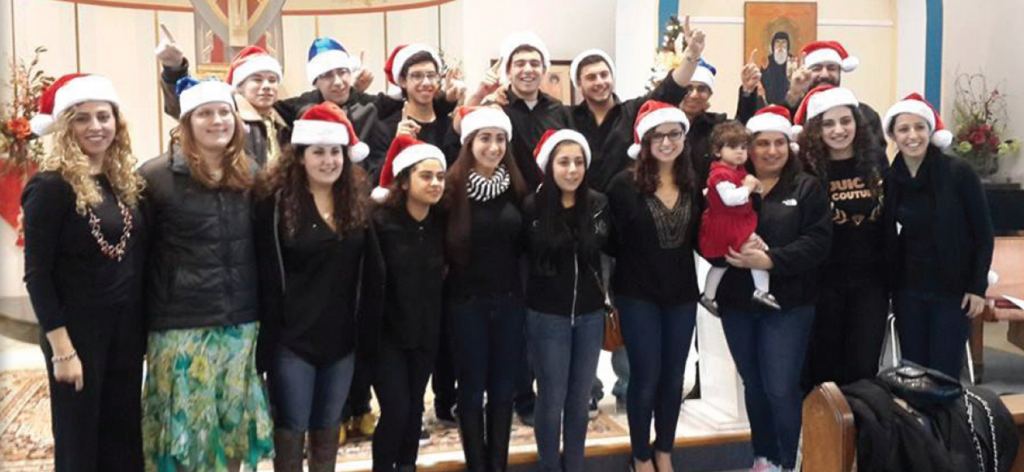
x=483 y=189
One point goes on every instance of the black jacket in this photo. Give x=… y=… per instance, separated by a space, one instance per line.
x=796 y=223
x=369 y=297
x=567 y=283
x=962 y=226
x=201 y=270
x=256 y=130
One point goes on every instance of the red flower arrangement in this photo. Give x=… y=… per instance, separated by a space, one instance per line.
x=981 y=118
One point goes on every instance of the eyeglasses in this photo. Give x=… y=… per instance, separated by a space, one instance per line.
x=419 y=77
x=673 y=136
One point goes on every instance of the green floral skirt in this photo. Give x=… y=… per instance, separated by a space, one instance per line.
x=204 y=404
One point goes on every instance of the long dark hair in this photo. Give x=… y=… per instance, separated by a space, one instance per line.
x=555 y=234
x=647 y=178
x=867 y=154
x=288 y=174
x=456 y=196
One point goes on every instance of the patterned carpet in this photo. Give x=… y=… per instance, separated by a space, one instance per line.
x=26 y=443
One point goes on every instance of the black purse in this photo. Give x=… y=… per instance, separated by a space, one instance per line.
x=920 y=386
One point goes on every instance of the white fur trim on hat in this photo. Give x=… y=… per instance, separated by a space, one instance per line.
x=79 y=90
x=770 y=122
x=254 y=64
x=485 y=117
x=414 y=154
x=831 y=56
x=655 y=119
x=206 y=91
x=826 y=100
x=327 y=61
x=557 y=138
x=704 y=76
x=522 y=38
x=408 y=51
x=318 y=132
x=575 y=66
x=941 y=138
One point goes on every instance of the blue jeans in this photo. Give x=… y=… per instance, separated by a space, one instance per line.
x=565 y=363
x=489 y=337
x=307 y=397
x=769 y=349
x=658 y=341
x=933 y=330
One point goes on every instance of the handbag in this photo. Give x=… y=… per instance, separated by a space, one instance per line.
x=613 y=340
x=920 y=386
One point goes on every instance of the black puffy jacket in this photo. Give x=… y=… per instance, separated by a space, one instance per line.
x=201 y=270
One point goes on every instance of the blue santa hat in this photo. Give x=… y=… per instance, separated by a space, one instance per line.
x=326 y=54
x=194 y=93
x=705 y=74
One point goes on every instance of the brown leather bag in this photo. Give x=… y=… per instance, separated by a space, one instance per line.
x=612 y=326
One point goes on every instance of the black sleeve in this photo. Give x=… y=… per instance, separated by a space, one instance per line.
x=370 y=317
x=980 y=223
x=620 y=213
x=747 y=105
x=667 y=91
x=46 y=202
x=812 y=246
x=168 y=82
x=268 y=268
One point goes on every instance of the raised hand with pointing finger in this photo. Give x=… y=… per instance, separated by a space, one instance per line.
x=751 y=75
x=690 y=44
x=364 y=78
x=168 y=52
x=489 y=84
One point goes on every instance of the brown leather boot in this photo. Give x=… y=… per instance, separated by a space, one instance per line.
x=288 y=450
x=323 y=449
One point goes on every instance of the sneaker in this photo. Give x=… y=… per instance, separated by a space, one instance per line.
x=592 y=410
x=765 y=299
x=424 y=436
x=710 y=305
x=763 y=465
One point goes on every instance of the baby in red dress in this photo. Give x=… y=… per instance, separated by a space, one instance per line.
x=730 y=219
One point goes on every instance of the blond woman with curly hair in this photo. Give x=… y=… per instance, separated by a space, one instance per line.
x=82 y=258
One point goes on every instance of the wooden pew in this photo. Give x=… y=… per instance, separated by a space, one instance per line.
x=830 y=436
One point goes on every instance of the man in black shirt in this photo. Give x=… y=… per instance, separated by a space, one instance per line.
x=824 y=63
x=606 y=121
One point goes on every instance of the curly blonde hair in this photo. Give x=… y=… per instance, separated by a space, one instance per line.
x=68 y=159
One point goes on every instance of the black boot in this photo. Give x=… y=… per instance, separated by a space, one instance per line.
x=288 y=450
x=499 y=430
x=471 y=429
x=323 y=449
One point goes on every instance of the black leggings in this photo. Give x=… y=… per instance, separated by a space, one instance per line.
x=400 y=380
x=99 y=429
x=849 y=329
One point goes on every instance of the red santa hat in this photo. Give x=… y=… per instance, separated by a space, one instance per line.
x=405 y=152
x=477 y=118
x=574 y=68
x=653 y=114
x=68 y=91
x=551 y=139
x=399 y=56
x=916 y=104
x=249 y=61
x=522 y=38
x=770 y=119
x=829 y=52
x=326 y=125
x=819 y=100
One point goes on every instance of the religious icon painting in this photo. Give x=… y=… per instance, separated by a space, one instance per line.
x=778 y=30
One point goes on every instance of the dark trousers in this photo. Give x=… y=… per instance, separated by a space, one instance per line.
x=769 y=348
x=565 y=353
x=933 y=330
x=525 y=398
x=400 y=380
x=849 y=330
x=99 y=429
x=443 y=381
x=489 y=338
x=658 y=340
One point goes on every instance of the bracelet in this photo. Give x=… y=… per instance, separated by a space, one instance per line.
x=64 y=358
